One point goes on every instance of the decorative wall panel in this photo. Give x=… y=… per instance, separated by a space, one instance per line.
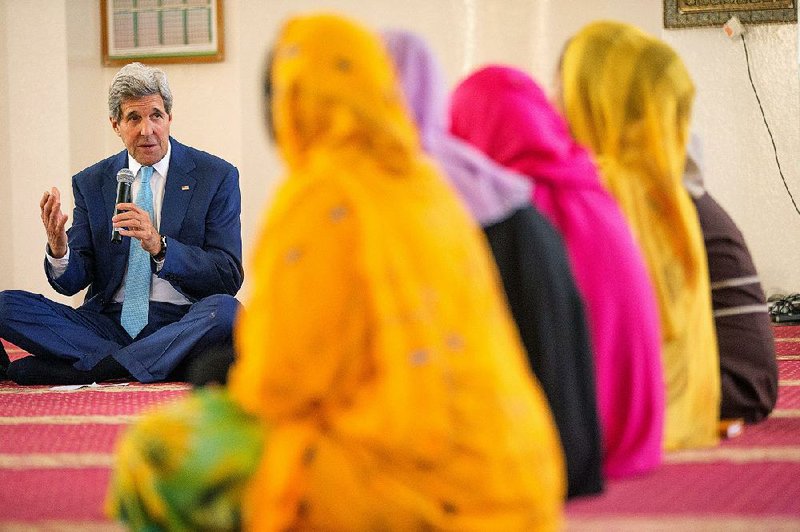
x=689 y=13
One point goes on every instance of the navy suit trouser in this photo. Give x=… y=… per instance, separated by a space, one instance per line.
x=173 y=335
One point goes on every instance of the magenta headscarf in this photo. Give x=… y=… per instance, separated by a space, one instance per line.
x=505 y=114
x=490 y=192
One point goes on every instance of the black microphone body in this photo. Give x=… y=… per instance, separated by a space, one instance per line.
x=124 y=180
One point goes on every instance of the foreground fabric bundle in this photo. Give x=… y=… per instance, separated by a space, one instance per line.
x=375 y=342
x=185 y=467
x=519 y=128
x=749 y=370
x=628 y=97
x=530 y=256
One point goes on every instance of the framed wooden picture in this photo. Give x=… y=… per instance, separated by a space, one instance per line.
x=690 y=13
x=161 y=31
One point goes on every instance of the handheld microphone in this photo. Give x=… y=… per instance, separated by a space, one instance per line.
x=124 y=179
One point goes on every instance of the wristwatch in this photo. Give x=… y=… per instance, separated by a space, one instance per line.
x=158 y=257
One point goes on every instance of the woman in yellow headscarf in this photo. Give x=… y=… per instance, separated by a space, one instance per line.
x=376 y=343
x=628 y=97
x=375 y=350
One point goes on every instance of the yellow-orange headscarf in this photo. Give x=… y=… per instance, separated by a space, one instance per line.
x=376 y=343
x=628 y=97
x=325 y=97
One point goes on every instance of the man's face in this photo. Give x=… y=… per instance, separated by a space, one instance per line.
x=144 y=128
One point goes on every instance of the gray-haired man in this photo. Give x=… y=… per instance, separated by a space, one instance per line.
x=161 y=295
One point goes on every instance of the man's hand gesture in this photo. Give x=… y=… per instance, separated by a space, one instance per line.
x=54 y=220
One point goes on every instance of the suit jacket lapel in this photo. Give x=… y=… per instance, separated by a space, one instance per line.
x=178 y=191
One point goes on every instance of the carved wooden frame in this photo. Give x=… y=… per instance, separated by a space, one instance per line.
x=691 y=13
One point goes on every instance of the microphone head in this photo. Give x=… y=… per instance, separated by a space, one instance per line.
x=125 y=176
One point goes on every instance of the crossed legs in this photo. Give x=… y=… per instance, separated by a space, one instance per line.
x=80 y=346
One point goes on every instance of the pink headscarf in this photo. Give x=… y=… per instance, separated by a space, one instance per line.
x=505 y=114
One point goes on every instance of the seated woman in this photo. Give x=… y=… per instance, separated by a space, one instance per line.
x=531 y=258
x=746 y=343
x=628 y=98
x=376 y=351
x=505 y=114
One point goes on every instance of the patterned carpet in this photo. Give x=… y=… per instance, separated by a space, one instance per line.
x=749 y=482
x=56 y=447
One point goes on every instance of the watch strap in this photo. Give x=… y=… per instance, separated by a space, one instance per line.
x=158 y=257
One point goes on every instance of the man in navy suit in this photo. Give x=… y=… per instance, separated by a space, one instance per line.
x=191 y=244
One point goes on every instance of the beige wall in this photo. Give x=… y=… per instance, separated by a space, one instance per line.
x=38 y=116
x=53 y=90
x=6 y=242
x=740 y=163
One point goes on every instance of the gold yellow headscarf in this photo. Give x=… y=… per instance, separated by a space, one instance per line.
x=628 y=97
x=376 y=343
x=325 y=97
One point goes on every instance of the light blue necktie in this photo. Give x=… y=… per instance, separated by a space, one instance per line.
x=136 y=305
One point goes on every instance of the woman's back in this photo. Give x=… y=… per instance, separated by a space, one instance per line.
x=376 y=344
x=531 y=259
x=520 y=129
x=628 y=97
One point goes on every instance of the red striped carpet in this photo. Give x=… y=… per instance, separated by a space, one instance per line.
x=56 y=447
x=747 y=483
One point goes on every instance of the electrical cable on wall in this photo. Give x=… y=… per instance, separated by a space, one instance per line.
x=782 y=308
x=764 y=116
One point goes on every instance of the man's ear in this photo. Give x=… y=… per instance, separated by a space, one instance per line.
x=114 y=125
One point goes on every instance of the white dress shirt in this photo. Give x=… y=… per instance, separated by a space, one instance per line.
x=160 y=289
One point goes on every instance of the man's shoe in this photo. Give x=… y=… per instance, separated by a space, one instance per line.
x=4 y=362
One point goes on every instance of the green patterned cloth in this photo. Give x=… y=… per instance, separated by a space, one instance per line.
x=185 y=467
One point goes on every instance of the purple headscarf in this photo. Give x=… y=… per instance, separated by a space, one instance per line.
x=490 y=192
